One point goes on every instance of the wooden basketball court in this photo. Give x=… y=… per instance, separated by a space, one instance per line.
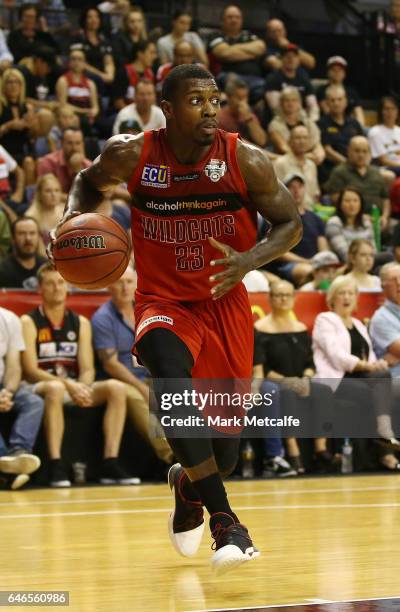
x=322 y=540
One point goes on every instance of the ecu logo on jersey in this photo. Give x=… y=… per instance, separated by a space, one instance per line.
x=215 y=169
x=156 y=176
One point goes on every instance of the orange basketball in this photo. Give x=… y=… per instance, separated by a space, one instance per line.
x=91 y=251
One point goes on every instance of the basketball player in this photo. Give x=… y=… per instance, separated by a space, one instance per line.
x=195 y=192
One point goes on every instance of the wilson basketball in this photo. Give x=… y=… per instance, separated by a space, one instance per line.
x=92 y=251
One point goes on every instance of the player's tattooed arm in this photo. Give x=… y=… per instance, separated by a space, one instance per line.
x=273 y=201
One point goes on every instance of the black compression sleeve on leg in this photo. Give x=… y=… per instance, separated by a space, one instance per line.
x=226 y=452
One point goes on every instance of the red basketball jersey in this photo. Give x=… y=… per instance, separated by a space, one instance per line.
x=176 y=208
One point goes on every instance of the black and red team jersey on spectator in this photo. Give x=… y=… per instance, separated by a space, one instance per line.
x=133 y=77
x=78 y=92
x=57 y=347
x=176 y=208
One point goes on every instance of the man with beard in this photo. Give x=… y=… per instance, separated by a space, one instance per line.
x=19 y=269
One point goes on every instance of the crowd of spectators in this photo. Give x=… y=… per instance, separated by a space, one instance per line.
x=65 y=89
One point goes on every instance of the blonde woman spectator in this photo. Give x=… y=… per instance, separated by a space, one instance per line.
x=181 y=24
x=290 y=114
x=349 y=223
x=133 y=31
x=343 y=354
x=360 y=263
x=47 y=206
x=18 y=122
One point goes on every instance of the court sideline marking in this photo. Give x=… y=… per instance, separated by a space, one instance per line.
x=163 y=497
x=162 y=510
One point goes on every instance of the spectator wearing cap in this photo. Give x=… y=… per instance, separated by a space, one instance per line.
x=296 y=161
x=144 y=110
x=296 y=265
x=291 y=74
x=336 y=68
x=277 y=39
x=130 y=126
x=289 y=115
x=324 y=265
x=239 y=51
x=337 y=129
x=237 y=116
x=358 y=172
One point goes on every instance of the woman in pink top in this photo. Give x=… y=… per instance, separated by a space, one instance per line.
x=344 y=358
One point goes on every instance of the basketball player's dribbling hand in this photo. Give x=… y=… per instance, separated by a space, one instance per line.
x=236 y=266
x=54 y=233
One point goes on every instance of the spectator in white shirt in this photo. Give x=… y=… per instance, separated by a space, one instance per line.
x=384 y=138
x=297 y=161
x=143 y=110
x=181 y=24
x=6 y=57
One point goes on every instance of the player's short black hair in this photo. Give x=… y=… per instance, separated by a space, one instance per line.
x=181 y=73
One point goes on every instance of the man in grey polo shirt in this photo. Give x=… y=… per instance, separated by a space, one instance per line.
x=385 y=323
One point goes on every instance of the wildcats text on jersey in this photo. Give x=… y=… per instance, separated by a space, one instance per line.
x=179 y=231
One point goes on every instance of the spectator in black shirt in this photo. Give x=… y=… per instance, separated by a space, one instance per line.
x=18 y=270
x=336 y=67
x=132 y=32
x=277 y=40
x=337 y=129
x=283 y=348
x=290 y=74
x=41 y=74
x=239 y=51
x=29 y=34
x=97 y=48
